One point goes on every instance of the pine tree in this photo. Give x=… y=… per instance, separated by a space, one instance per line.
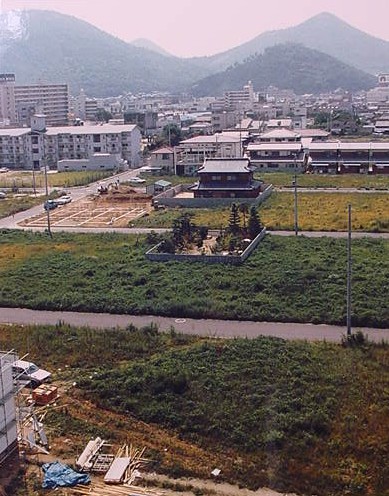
x=234 y=220
x=254 y=223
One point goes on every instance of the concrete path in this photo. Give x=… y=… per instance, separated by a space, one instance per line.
x=202 y=327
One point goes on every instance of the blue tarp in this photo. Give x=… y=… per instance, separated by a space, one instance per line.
x=59 y=475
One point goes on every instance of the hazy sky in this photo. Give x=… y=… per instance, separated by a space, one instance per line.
x=204 y=27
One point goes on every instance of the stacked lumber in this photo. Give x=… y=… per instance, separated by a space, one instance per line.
x=100 y=489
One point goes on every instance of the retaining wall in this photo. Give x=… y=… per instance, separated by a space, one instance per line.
x=154 y=256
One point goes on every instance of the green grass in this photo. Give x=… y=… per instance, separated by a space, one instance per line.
x=284 y=179
x=290 y=415
x=58 y=180
x=312 y=418
x=327 y=211
x=317 y=212
x=285 y=279
x=11 y=206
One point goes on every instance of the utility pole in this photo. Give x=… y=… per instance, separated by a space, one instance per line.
x=33 y=180
x=349 y=265
x=47 y=196
x=296 y=228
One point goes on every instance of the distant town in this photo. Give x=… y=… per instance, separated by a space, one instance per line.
x=42 y=124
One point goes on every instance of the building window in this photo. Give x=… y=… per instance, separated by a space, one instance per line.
x=216 y=178
x=96 y=138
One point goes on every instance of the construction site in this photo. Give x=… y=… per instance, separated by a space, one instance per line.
x=111 y=206
x=25 y=448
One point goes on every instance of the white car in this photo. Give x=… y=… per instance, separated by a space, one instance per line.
x=136 y=180
x=63 y=200
x=28 y=371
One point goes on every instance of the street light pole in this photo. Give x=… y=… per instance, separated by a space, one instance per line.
x=349 y=267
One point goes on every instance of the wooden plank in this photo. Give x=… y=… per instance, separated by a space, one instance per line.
x=117 y=470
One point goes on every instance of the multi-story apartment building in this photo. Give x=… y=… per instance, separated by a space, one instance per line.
x=82 y=107
x=7 y=99
x=49 y=99
x=349 y=157
x=191 y=153
x=240 y=99
x=40 y=146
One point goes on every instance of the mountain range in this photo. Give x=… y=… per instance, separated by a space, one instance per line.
x=74 y=51
x=324 y=32
x=287 y=66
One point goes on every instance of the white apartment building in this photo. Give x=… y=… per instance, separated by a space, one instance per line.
x=191 y=153
x=40 y=146
x=8 y=424
x=7 y=99
x=82 y=107
x=49 y=99
x=240 y=99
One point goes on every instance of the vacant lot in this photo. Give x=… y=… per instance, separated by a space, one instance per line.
x=327 y=212
x=317 y=212
x=25 y=179
x=93 y=211
x=285 y=279
x=284 y=179
x=266 y=412
x=12 y=205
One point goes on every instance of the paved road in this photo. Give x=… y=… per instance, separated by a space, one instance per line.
x=212 y=328
x=330 y=190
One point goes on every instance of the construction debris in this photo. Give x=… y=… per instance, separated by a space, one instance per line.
x=44 y=394
x=60 y=475
x=88 y=457
x=120 y=468
x=117 y=470
x=99 y=489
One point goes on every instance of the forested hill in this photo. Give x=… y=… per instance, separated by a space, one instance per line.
x=289 y=66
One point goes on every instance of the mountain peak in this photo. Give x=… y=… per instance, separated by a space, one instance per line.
x=150 y=45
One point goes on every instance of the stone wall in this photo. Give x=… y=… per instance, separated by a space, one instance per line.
x=154 y=256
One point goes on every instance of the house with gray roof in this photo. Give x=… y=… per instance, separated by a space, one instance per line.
x=226 y=178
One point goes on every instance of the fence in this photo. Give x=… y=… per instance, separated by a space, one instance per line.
x=167 y=198
x=154 y=256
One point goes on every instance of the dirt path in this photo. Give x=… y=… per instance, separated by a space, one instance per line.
x=210 y=487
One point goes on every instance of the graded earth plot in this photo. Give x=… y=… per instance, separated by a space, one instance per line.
x=103 y=211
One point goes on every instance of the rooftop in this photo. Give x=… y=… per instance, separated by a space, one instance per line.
x=234 y=166
x=295 y=147
x=91 y=129
x=215 y=138
x=280 y=133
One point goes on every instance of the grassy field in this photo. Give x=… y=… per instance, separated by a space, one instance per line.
x=327 y=212
x=317 y=212
x=11 y=206
x=284 y=179
x=285 y=279
x=58 y=180
x=293 y=416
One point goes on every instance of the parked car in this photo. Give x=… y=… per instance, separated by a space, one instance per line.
x=63 y=200
x=28 y=371
x=136 y=180
x=50 y=205
x=3 y=194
